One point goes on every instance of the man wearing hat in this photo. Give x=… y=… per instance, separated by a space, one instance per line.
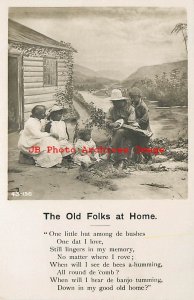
x=121 y=109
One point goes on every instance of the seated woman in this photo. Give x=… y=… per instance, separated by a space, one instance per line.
x=34 y=142
x=58 y=127
x=85 y=146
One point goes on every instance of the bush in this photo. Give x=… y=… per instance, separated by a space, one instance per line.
x=97 y=117
x=62 y=99
x=168 y=89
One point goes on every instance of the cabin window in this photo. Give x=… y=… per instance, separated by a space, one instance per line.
x=49 y=72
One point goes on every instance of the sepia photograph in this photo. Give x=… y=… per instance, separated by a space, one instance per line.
x=97 y=103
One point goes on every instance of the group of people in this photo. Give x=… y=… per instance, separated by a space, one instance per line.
x=43 y=130
x=132 y=111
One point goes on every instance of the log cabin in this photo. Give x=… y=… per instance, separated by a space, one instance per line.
x=38 y=67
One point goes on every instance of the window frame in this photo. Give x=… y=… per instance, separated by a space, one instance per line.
x=45 y=84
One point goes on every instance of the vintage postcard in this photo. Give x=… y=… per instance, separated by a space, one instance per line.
x=96 y=157
x=97 y=103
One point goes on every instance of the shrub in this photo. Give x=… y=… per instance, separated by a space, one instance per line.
x=62 y=99
x=168 y=89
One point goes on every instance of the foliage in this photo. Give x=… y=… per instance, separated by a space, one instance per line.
x=168 y=144
x=40 y=51
x=176 y=150
x=97 y=117
x=168 y=89
x=172 y=90
x=179 y=155
x=181 y=27
x=62 y=99
x=101 y=174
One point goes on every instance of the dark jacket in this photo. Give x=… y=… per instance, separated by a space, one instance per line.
x=142 y=115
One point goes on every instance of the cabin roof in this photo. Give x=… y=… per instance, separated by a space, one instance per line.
x=23 y=34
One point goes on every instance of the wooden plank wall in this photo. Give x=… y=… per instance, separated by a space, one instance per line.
x=34 y=91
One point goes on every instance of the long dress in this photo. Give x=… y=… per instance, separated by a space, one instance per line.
x=59 y=127
x=31 y=136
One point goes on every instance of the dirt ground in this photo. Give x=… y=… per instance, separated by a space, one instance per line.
x=61 y=184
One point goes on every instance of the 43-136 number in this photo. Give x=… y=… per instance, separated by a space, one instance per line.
x=18 y=194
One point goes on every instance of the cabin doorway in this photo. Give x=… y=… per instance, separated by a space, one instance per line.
x=15 y=93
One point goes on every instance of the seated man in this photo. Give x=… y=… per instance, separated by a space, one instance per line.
x=121 y=109
x=142 y=118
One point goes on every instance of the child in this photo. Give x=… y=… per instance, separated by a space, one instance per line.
x=57 y=126
x=84 y=143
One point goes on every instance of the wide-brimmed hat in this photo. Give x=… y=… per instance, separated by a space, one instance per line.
x=116 y=95
x=56 y=107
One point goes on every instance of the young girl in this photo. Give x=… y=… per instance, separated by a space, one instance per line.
x=58 y=127
x=82 y=146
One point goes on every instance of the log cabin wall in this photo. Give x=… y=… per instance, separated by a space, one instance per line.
x=35 y=92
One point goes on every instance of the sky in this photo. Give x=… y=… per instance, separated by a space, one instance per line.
x=115 y=40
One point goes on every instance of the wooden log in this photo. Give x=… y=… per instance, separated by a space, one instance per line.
x=62 y=78
x=28 y=107
x=33 y=63
x=33 y=85
x=33 y=69
x=61 y=64
x=40 y=91
x=40 y=84
x=26 y=58
x=62 y=60
x=62 y=73
x=33 y=74
x=61 y=83
x=38 y=98
x=33 y=79
x=60 y=69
